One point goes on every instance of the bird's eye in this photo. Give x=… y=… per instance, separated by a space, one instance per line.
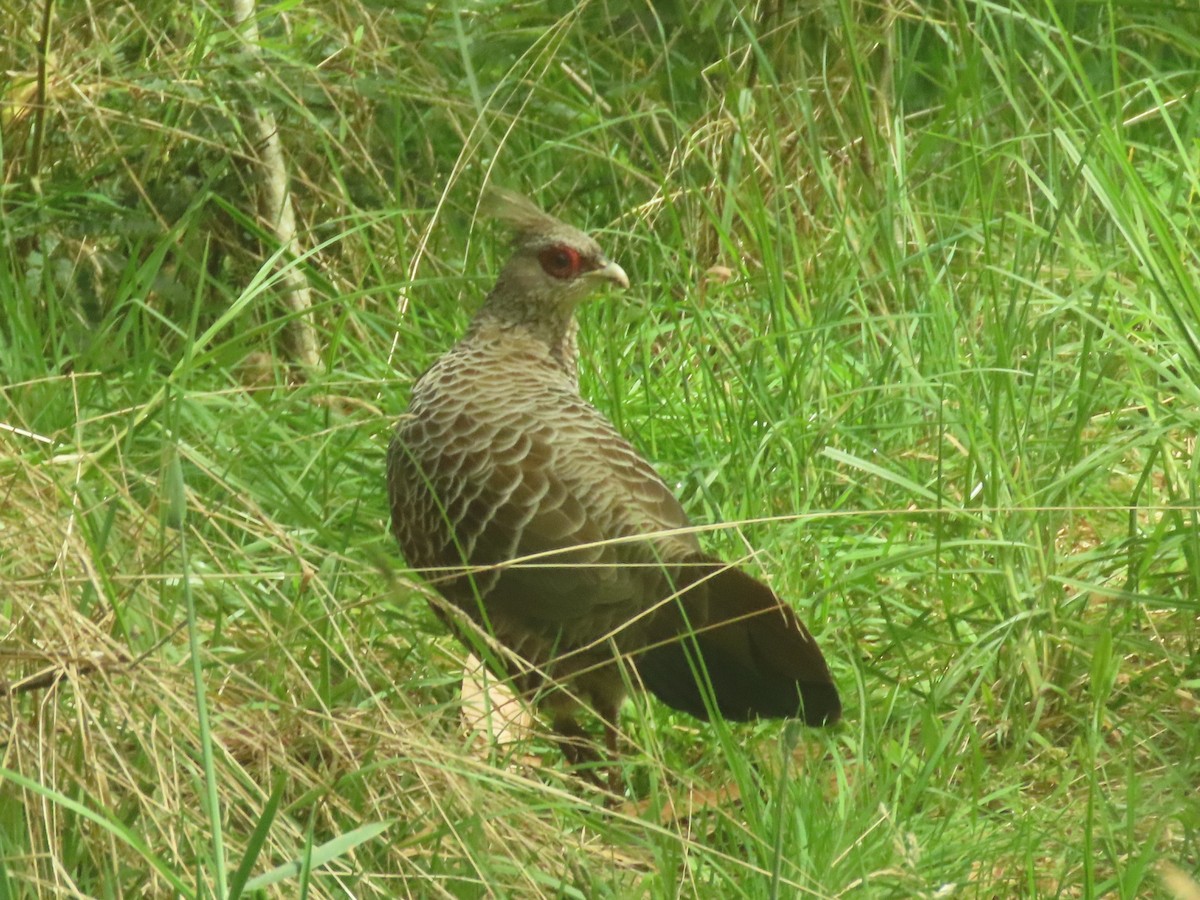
x=560 y=261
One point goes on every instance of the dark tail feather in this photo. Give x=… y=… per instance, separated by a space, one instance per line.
x=753 y=651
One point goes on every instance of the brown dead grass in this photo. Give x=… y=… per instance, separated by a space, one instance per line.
x=91 y=713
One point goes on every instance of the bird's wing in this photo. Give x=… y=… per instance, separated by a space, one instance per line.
x=566 y=490
x=570 y=537
x=600 y=516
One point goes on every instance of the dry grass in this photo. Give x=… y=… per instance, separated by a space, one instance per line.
x=89 y=718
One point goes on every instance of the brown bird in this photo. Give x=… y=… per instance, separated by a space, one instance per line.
x=546 y=529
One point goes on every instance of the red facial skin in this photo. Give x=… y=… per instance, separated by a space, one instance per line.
x=562 y=262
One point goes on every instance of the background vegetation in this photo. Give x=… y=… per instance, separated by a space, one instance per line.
x=915 y=316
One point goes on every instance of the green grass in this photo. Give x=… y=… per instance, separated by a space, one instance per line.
x=941 y=388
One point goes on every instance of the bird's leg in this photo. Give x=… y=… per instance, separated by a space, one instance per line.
x=616 y=782
x=575 y=743
x=579 y=749
x=610 y=738
x=583 y=756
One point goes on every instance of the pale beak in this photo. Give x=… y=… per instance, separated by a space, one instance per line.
x=610 y=271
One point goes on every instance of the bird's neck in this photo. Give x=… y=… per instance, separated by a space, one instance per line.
x=557 y=331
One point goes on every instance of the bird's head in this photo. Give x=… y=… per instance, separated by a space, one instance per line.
x=554 y=267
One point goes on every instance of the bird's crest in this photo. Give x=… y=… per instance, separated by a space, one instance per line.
x=519 y=214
